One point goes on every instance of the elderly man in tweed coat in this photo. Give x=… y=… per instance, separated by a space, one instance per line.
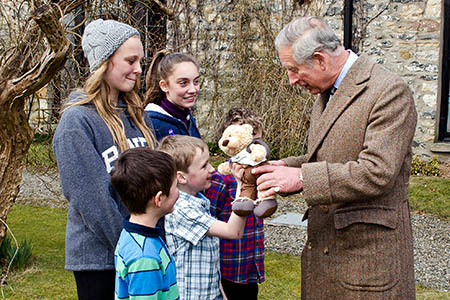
x=355 y=174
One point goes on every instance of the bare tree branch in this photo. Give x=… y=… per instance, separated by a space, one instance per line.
x=53 y=59
x=164 y=9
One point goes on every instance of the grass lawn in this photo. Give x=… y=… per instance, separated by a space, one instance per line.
x=282 y=277
x=430 y=195
x=45 y=277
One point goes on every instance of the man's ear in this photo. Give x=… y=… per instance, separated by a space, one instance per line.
x=163 y=85
x=181 y=177
x=158 y=197
x=320 y=59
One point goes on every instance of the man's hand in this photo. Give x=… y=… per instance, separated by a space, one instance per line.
x=276 y=163
x=277 y=178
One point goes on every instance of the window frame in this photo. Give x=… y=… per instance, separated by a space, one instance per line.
x=442 y=111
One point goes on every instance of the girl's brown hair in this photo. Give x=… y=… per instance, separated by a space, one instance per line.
x=161 y=68
x=242 y=116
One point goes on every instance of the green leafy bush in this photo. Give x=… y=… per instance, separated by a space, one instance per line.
x=427 y=168
x=214 y=149
x=40 y=154
x=8 y=249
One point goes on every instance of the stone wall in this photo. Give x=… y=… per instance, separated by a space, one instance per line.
x=403 y=35
x=230 y=36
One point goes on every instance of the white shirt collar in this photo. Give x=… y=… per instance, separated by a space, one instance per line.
x=348 y=64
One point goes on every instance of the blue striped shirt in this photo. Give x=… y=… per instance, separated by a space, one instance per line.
x=144 y=268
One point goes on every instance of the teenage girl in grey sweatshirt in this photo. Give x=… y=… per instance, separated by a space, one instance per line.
x=103 y=119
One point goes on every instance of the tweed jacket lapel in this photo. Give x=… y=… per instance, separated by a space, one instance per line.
x=352 y=85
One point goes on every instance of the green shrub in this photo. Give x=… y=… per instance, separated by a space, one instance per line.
x=42 y=138
x=9 y=252
x=427 y=168
x=214 y=149
x=40 y=154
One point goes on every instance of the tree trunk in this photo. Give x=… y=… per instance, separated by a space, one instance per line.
x=16 y=85
x=18 y=81
x=15 y=139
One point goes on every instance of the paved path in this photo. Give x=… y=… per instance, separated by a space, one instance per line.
x=292 y=219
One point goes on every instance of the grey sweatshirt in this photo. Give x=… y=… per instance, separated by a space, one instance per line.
x=85 y=153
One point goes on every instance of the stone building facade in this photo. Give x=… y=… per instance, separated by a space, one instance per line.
x=403 y=35
x=405 y=38
x=227 y=37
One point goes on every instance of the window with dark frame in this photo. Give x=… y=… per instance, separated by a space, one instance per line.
x=443 y=134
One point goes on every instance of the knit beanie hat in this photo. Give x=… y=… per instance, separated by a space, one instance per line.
x=102 y=38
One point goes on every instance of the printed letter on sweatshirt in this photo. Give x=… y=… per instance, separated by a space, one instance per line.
x=109 y=156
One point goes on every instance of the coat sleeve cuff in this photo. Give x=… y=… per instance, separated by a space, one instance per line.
x=316 y=183
x=294 y=161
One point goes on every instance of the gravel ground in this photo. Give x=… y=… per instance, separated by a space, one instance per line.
x=431 y=235
x=41 y=190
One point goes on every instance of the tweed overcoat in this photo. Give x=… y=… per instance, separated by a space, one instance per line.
x=355 y=182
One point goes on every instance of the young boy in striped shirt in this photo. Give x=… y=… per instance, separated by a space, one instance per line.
x=192 y=234
x=146 y=182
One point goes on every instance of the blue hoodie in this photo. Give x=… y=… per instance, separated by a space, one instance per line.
x=165 y=124
x=85 y=153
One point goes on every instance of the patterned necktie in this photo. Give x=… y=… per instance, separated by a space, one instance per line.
x=328 y=93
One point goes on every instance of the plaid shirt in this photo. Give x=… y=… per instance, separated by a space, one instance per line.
x=241 y=261
x=196 y=254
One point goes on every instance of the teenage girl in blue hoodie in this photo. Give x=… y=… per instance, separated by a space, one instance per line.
x=173 y=83
x=101 y=120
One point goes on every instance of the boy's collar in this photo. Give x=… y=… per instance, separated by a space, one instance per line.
x=141 y=229
x=181 y=187
x=199 y=195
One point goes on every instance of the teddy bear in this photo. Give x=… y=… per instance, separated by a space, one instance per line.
x=238 y=142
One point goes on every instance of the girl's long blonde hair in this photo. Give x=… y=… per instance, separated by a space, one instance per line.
x=97 y=91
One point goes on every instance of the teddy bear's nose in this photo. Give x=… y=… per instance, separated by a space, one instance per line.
x=225 y=142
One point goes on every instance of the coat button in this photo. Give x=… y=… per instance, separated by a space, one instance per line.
x=325 y=208
x=309 y=246
x=325 y=250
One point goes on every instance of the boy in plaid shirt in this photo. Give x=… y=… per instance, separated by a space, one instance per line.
x=192 y=234
x=241 y=261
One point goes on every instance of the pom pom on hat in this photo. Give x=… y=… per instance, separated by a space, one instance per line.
x=102 y=38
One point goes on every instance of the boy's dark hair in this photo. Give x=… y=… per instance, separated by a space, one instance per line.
x=139 y=174
x=241 y=116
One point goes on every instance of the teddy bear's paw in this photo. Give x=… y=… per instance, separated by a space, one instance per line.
x=242 y=207
x=266 y=208
x=258 y=157
x=258 y=153
x=224 y=168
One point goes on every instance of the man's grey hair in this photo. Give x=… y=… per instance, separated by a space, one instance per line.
x=307 y=35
